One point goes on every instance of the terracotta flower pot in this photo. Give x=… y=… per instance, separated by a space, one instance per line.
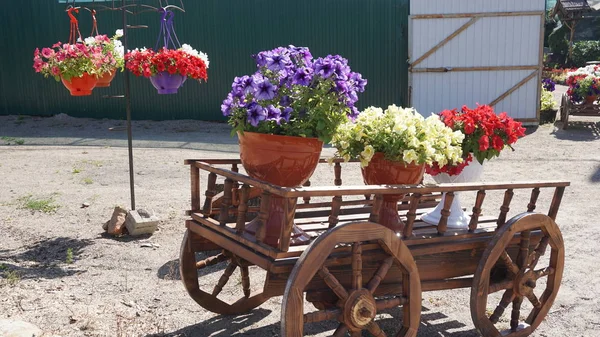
x=81 y=86
x=590 y=99
x=166 y=83
x=283 y=161
x=104 y=80
x=457 y=219
x=385 y=172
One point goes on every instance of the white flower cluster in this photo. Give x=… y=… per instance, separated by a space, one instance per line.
x=188 y=49
x=591 y=70
x=401 y=134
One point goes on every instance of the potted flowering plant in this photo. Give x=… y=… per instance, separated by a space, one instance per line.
x=77 y=65
x=485 y=136
x=113 y=56
x=584 y=84
x=393 y=147
x=284 y=112
x=166 y=68
x=548 y=106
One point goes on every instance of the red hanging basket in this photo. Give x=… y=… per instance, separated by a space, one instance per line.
x=81 y=86
x=104 y=80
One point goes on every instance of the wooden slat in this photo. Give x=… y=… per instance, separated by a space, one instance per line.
x=444 y=41
x=245 y=239
x=515 y=87
x=471 y=15
x=461 y=69
x=195 y=188
x=234 y=246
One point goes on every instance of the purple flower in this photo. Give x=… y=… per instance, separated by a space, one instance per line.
x=285 y=101
x=286 y=114
x=276 y=62
x=273 y=114
x=242 y=86
x=341 y=86
x=227 y=105
x=303 y=76
x=256 y=114
x=324 y=67
x=548 y=84
x=353 y=113
x=264 y=90
x=359 y=82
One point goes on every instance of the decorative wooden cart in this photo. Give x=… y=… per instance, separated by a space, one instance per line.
x=354 y=268
x=585 y=108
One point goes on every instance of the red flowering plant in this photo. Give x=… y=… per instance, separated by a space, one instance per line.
x=486 y=135
x=69 y=60
x=185 y=61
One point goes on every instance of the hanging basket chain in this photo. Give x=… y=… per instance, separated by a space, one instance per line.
x=74 y=34
x=167 y=30
x=94 y=24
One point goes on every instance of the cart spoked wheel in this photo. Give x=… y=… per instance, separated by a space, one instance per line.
x=565 y=106
x=531 y=289
x=189 y=267
x=358 y=302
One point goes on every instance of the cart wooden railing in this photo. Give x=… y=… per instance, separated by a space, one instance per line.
x=446 y=258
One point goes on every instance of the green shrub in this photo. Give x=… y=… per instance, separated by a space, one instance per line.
x=547 y=101
x=584 y=51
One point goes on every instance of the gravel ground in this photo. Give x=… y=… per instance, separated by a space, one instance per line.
x=59 y=271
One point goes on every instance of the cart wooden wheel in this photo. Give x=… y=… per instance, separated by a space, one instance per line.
x=357 y=307
x=522 y=276
x=189 y=267
x=565 y=106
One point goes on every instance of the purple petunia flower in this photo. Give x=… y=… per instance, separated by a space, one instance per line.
x=256 y=114
x=303 y=76
x=227 y=105
x=276 y=62
x=285 y=101
x=264 y=90
x=273 y=114
x=353 y=113
x=324 y=67
x=286 y=114
x=359 y=82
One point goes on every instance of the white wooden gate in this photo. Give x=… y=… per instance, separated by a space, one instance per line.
x=463 y=52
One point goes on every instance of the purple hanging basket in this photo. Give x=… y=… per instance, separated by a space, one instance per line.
x=166 y=83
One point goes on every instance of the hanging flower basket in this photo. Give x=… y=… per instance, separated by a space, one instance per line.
x=77 y=65
x=80 y=86
x=167 y=69
x=112 y=56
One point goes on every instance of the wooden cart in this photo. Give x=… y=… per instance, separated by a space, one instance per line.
x=568 y=108
x=354 y=269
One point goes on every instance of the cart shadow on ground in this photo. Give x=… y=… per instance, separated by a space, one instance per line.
x=578 y=131
x=46 y=259
x=432 y=324
x=170 y=270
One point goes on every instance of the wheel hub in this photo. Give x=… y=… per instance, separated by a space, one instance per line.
x=360 y=309
x=525 y=282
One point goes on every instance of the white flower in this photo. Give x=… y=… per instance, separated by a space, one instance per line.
x=188 y=49
x=409 y=156
x=90 y=40
x=119 y=33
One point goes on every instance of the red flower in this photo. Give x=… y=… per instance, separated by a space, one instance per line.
x=497 y=143
x=484 y=143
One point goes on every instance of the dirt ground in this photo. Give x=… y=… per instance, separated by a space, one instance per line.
x=60 y=272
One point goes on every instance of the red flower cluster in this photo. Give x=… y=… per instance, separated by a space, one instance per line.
x=450 y=170
x=148 y=63
x=486 y=134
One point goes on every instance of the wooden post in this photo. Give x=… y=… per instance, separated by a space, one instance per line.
x=411 y=215
x=211 y=191
x=242 y=209
x=443 y=224
x=505 y=207
x=263 y=216
x=288 y=223
x=533 y=200
x=226 y=202
x=476 y=210
x=556 y=199
x=377 y=203
x=195 y=188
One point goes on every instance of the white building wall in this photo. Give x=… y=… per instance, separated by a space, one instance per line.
x=499 y=41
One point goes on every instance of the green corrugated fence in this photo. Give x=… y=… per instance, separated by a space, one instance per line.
x=372 y=35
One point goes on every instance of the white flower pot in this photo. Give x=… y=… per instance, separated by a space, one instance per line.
x=458 y=219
